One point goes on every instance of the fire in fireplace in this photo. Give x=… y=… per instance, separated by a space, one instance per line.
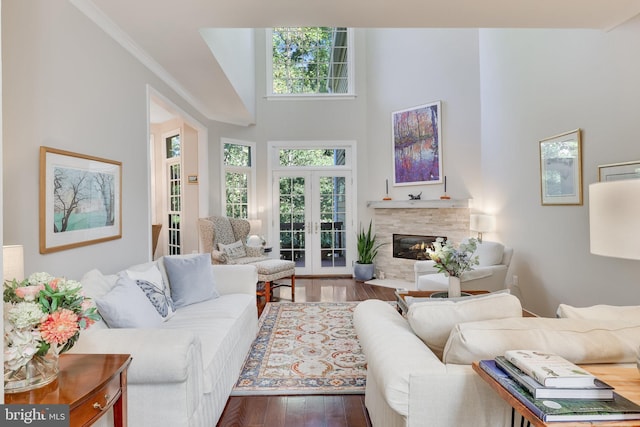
x=410 y=246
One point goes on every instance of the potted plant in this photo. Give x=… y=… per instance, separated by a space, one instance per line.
x=367 y=251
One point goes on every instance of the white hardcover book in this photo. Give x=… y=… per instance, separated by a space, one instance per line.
x=550 y=370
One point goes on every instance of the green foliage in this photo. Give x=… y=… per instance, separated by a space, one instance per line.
x=452 y=261
x=367 y=248
x=302 y=59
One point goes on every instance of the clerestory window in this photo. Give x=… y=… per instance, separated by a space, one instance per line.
x=310 y=61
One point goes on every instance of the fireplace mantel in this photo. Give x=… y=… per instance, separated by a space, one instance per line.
x=418 y=204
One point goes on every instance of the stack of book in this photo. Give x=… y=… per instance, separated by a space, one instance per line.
x=555 y=389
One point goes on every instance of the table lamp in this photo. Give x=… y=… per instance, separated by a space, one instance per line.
x=482 y=224
x=13 y=262
x=254 y=232
x=614 y=220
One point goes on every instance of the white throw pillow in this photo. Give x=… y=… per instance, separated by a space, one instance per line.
x=234 y=250
x=577 y=340
x=489 y=253
x=125 y=306
x=151 y=283
x=628 y=313
x=433 y=320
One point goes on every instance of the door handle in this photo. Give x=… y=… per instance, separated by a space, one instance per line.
x=316 y=228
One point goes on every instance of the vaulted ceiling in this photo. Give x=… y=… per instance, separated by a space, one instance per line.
x=169 y=35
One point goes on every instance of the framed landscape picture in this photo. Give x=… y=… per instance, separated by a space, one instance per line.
x=80 y=200
x=561 y=169
x=619 y=171
x=417 y=145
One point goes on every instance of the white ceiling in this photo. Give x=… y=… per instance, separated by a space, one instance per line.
x=165 y=35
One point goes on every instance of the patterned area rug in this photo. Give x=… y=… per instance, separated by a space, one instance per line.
x=304 y=348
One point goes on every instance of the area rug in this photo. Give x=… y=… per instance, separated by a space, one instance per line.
x=304 y=348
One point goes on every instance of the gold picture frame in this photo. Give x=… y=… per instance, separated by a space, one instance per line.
x=561 y=169
x=619 y=171
x=80 y=200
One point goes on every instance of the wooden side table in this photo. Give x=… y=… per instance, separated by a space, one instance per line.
x=89 y=383
x=403 y=308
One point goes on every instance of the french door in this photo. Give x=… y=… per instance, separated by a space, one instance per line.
x=315 y=220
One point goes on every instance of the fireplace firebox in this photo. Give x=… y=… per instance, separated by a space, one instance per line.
x=413 y=246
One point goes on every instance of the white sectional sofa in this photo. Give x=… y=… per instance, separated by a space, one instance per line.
x=408 y=384
x=184 y=365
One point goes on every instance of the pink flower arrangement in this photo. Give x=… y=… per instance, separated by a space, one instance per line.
x=43 y=313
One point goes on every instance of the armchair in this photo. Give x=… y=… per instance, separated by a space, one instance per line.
x=490 y=275
x=225 y=239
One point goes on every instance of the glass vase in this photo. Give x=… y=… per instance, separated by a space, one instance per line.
x=38 y=372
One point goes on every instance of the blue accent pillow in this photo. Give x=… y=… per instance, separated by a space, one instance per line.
x=190 y=279
x=126 y=306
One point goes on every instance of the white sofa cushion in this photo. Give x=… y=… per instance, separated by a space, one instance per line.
x=489 y=253
x=126 y=306
x=578 y=340
x=630 y=313
x=433 y=320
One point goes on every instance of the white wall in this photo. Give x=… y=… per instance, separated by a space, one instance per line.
x=536 y=84
x=68 y=85
x=411 y=67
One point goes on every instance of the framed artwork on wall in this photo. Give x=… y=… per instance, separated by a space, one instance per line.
x=80 y=200
x=619 y=171
x=417 y=145
x=561 y=169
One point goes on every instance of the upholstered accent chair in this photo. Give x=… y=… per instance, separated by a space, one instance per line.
x=225 y=239
x=489 y=275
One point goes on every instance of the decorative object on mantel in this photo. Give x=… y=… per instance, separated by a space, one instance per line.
x=614 y=220
x=43 y=316
x=561 y=169
x=453 y=262
x=367 y=250
x=415 y=197
x=482 y=223
x=386 y=197
x=417 y=145
x=445 y=196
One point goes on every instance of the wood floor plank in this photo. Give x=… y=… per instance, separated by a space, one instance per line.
x=304 y=411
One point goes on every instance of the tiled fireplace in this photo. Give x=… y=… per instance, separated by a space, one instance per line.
x=448 y=219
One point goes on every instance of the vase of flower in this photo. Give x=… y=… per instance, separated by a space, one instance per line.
x=37 y=372
x=43 y=317
x=453 y=262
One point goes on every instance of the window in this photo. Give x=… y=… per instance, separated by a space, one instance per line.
x=239 y=179
x=310 y=61
x=174 y=194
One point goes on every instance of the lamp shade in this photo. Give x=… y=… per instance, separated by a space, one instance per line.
x=256 y=226
x=482 y=223
x=13 y=262
x=614 y=218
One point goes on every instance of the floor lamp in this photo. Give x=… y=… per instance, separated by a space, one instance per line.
x=614 y=220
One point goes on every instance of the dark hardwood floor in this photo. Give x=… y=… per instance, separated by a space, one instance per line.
x=308 y=411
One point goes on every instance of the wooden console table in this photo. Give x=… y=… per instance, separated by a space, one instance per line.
x=89 y=383
x=624 y=379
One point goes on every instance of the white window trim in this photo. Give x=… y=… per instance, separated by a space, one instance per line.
x=273 y=164
x=302 y=96
x=251 y=171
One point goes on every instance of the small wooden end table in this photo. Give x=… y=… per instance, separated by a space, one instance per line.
x=89 y=383
x=625 y=380
x=403 y=308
